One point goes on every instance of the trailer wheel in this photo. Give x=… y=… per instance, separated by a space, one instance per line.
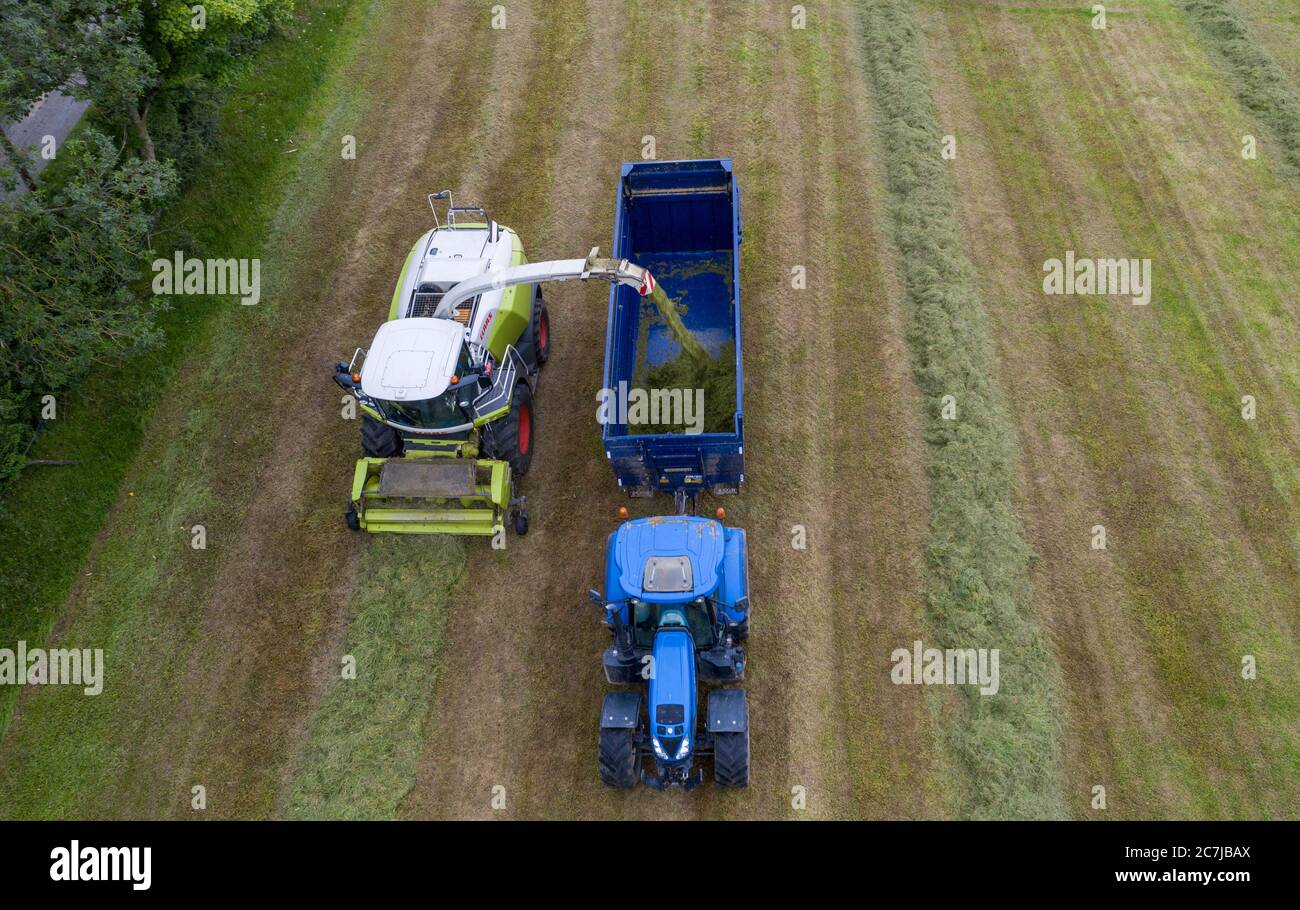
x=731 y=759
x=617 y=757
x=512 y=437
x=379 y=440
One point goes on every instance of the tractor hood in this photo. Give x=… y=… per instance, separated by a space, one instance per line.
x=668 y=559
x=412 y=359
x=672 y=691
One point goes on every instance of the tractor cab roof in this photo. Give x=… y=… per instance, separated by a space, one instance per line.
x=412 y=359
x=669 y=559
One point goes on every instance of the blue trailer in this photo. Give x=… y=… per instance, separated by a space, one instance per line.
x=681 y=220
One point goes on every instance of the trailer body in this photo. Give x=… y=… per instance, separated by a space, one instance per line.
x=681 y=220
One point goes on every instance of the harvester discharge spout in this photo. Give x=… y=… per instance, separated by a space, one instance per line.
x=618 y=271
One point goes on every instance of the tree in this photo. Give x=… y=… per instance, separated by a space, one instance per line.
x=129 y=54
x=69 y=259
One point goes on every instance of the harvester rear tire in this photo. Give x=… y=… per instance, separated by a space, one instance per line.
x=617 y=757
x=514 y=437
x=541 y=330
x=731 y=759
x=379 y=440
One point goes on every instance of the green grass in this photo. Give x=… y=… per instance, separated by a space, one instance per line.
x=1260 y=488
x=52 y=514
x=1007 y=748
x=79 y=756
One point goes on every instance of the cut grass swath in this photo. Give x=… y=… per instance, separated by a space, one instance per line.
x=1258 y=82
x=1007 y=747
x=367 y=737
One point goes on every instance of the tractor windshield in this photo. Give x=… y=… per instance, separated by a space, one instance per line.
x=650 y=618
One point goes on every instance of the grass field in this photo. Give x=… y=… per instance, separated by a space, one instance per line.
x=479 y=669
x=1130 y=418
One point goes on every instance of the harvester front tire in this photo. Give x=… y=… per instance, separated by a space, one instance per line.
x=513 y=437
x=353 y=520
x=379 y=440
x=731 y=759
x=617 y=757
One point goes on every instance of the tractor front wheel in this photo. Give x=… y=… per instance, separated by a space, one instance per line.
x=617 y=757
x=731 y=759
x=513 y=436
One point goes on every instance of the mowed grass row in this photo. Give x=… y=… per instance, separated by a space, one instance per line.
x=1126 y=143
x=1004 y=750
x=1260 y=84
x=1276 y=24
x=867 y=434
x=367 y=735
x=52 y=514
x=143 y=595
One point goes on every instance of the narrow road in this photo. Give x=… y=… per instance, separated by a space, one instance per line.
x=54 y=115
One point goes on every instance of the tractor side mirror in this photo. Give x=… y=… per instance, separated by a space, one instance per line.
x=594 y=596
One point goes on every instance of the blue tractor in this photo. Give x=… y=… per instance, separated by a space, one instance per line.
x=677 y=604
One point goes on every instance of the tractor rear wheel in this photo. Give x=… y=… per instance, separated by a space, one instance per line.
x=512 y=436
x=731 y=759
x=617 y=757
x=379 y=440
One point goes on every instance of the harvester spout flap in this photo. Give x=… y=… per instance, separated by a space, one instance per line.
x=619 y=271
